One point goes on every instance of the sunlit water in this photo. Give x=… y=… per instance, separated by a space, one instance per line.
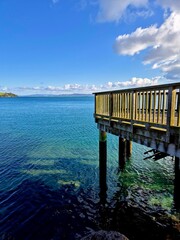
x=49 y=173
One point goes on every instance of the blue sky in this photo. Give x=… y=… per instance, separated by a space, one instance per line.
x=82 y=46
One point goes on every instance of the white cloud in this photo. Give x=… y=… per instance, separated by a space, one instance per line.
x=4 y=89
x=163 y=44
x=113 y=10
x=133 y=82
x=174 y=5
x=130 y=44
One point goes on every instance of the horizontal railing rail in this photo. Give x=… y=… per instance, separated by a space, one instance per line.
x=156 y=105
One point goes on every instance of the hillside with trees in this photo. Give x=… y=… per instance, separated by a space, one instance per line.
x=3 y=94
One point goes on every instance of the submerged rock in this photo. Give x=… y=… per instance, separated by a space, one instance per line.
x=105 y=235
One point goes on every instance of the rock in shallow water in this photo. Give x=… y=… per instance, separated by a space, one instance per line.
x=105 y=235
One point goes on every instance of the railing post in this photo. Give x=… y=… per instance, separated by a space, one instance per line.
x=110 y=104
x=173 y=105
x=133 y=109
x=170 y=111
x=95 y=104
x=178 y=109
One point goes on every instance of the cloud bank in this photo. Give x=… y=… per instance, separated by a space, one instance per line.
x=82 y=89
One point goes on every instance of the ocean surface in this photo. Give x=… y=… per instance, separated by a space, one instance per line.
x=49 y=176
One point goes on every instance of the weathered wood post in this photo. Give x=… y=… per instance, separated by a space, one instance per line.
x=128 y=148
x=177 y=183
x=102 y=165
x=122 y=152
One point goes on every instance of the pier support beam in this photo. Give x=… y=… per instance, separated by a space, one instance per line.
x=128 y=148
x=122 y=152
x=177 y=184
x=102 y=165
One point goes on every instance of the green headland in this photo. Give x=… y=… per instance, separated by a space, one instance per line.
x=4 y=94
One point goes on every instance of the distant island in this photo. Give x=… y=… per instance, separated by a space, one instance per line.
x=58 y=95
x=3 y=94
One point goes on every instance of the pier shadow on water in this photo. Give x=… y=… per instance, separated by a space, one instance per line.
x=34 y=211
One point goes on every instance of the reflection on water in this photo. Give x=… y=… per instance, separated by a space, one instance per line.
x=49 y=176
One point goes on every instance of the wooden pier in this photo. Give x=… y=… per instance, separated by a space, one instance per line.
x=148 y=115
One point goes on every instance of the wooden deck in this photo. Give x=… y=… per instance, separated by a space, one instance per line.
x=147 y=115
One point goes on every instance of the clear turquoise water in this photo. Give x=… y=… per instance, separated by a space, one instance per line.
x=49 y=175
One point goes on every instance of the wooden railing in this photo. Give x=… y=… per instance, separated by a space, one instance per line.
x=158 y=105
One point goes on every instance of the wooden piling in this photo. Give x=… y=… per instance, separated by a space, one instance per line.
x=102 y=165
x=122 y=152
x=177 y=184
x=128 y=148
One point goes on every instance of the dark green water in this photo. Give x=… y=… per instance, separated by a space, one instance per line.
x=49 y=176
